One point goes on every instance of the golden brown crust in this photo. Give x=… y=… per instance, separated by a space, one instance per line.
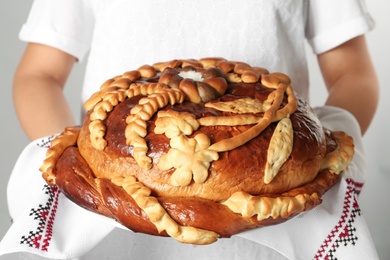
x=196 y=150
x=112 y=200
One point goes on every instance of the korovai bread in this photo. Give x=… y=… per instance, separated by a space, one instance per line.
x=197 y=150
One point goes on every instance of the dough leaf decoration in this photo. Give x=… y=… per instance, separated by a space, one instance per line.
x=279 y=149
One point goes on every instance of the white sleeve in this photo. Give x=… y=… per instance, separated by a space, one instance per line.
x=333 y=22
x=63 y=24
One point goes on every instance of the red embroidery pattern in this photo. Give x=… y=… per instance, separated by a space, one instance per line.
x=45 y=214
x=343 y=234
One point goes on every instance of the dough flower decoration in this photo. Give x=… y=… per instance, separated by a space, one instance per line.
x=190 y=157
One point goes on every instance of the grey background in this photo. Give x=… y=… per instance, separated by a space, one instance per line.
x=374 y=197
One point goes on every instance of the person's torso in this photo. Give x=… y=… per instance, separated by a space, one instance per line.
x=129 y=34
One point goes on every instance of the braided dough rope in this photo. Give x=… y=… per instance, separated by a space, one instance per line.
x=159 y=217
x=136 y=128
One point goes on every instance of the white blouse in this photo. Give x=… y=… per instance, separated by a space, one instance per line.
x=121 y=35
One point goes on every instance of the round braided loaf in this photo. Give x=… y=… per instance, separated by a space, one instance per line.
x=197 y=150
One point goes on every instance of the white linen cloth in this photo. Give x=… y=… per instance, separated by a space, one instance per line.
x=47 y=224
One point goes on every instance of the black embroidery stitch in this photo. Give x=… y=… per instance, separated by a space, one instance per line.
x=45 y=214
